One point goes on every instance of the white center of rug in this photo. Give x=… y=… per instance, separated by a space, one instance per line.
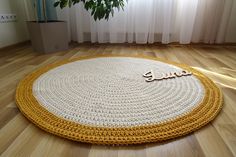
x=112 y=92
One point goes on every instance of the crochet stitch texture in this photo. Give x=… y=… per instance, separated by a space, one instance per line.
x=106 y=100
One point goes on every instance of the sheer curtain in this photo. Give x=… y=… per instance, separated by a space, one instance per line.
x=149 y=21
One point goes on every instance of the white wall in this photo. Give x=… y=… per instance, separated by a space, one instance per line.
x=13 y=32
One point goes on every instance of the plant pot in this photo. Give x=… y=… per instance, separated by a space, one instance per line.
x=50 y=36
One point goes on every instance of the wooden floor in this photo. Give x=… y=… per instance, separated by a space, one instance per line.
x=19 y=137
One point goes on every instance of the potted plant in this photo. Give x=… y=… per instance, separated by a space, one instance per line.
x=51 y=35
x=47 y=35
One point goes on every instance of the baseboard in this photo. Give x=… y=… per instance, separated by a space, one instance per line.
x=75 y=43
x=9 y=47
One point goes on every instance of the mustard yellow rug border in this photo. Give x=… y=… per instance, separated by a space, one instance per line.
x=200 y=116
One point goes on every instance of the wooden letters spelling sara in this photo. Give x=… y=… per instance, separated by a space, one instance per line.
x=150 y=76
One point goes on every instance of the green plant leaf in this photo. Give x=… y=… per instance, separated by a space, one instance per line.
x=56 y=4
x=99 y=8
x=70 y=3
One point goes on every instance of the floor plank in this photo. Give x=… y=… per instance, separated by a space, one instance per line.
x=19 y=137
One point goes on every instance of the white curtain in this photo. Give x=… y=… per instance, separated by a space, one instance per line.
x=149 y=21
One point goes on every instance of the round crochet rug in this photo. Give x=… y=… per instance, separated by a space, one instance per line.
x=118 y=99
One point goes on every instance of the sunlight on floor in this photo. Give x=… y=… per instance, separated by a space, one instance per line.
x=224 y=80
